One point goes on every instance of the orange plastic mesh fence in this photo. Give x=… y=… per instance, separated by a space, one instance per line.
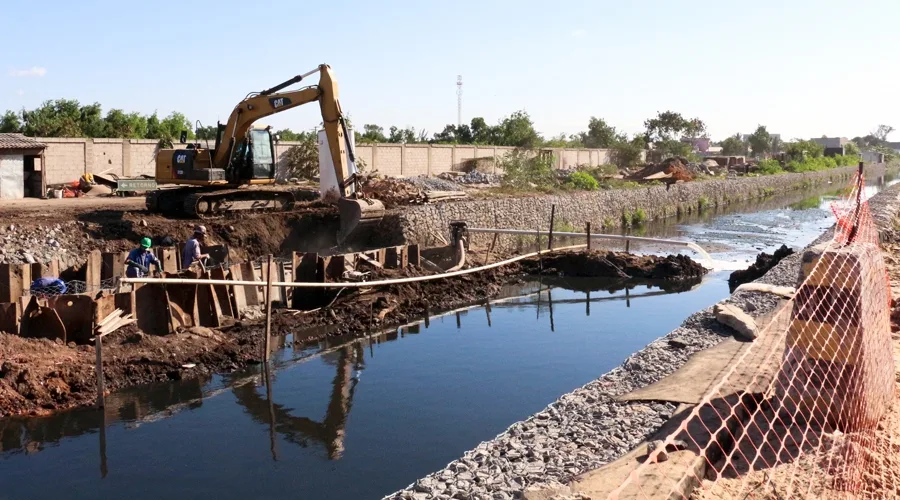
x=801 y=414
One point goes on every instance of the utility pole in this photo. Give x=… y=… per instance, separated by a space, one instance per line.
x=458 y=101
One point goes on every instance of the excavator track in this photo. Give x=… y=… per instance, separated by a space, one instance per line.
x=204 y=204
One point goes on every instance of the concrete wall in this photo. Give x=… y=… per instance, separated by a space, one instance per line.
x=602 y=208
x=70 y=158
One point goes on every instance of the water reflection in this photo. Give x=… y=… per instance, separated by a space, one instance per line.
x=302 y=430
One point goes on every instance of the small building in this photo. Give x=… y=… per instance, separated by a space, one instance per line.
x=833 y=145
x=872 y=157
x=21 y=167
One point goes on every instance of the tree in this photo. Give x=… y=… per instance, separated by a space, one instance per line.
x=10 y=122
x=564 y=141
x=128 y=126
x=628 y=154
x=208 y=132
x=173 y=124
x=372 y=133
x=798 y=150
x=777 y=144
x=402 y=135
x=734 y=146
x=669 y=126
x=599 y=134
x=851 y=149
x=882 y=132
x=482 y=133
x=760 y=141
x=517 y=130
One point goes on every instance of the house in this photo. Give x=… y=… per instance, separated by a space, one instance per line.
x=21 y=167
x=833 y=145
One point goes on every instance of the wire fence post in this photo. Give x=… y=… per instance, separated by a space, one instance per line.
x=268 y=308
x=587 y=230
x=552 y=220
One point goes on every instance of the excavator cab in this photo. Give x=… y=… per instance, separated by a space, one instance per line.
x=253 y=158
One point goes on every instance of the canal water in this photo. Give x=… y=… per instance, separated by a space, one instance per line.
x=361 y=419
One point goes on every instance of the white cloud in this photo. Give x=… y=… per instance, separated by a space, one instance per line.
x=34 y=71
x=579 y=33
x=20 y=92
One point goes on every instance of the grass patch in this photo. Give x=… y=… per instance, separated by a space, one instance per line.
x=703 y=203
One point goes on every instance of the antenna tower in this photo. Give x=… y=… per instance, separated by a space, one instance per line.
x=459 y=100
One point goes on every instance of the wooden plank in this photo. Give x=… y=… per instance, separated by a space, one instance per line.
x=125 y=302
x=395 y=257
x=251 y=293
x=10 y=315
x=334 y=269
x=92 y=272
x=413 y=257
x=168 y=257
x=113 y=265
x=238 y=299
x=103 y=307
x=208 y=311
x=51 y=270
x=152 y=314
x=308 y=271
x=223 y=294
x=14 y=281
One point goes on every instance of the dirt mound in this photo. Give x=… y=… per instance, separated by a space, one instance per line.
x=763 y=263
x=599 y=264
x=392 y=192
x=671 y=168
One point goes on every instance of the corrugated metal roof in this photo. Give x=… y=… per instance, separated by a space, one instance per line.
x=19 y=141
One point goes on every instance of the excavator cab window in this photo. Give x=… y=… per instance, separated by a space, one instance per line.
x=262 y=154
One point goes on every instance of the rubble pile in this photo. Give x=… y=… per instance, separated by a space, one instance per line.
x=392 y=192
x=36 y=244
x=672 y=168
x=439 y=183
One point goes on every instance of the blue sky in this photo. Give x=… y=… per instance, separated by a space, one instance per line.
x=804 y=68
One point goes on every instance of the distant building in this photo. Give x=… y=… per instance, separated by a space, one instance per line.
x=833 y=145
x=698 y=144
x=21 y=167
x=872 y=157
x=895 y=146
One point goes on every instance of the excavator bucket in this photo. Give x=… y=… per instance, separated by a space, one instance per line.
x=358 y=218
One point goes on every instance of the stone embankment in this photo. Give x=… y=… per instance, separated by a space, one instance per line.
x=588 y=427
x=604 y=209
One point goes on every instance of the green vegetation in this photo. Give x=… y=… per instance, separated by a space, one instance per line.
x=703 y=203
x=770 y=167
x=584 y=181
x=766 y=192
x=634 y=218
x=608 y=222
x=526 y=170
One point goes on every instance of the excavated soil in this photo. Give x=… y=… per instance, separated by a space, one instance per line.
x=604 y=264
x=758 y=269
x=38 y=376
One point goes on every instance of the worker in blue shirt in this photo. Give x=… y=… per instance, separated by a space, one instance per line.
x=139 y=260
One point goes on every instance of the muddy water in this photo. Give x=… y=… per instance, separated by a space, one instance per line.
x=362 y=419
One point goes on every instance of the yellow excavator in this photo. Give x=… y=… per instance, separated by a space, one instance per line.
x=221 y=181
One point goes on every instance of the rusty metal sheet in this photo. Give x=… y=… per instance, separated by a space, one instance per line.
x=77 y=315
x=10 y=314
x=152 y=313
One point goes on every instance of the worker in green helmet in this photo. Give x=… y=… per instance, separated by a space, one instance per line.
x=140 y=259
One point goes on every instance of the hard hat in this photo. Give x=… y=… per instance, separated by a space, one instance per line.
x=200 y=229
x=146 y=243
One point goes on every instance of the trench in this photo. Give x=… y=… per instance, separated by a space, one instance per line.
x=362 y=418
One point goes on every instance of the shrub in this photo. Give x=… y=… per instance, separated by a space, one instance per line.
x=300 y=161
x=634 y=218
x=584 y=181
x=703 y=203
x=524 y=169
x=770 y=167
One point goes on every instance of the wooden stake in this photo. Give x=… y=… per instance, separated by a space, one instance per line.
x=490 y=250
x=552 y=220
x=268 y=309
x=98 y=347
x=627 y=246
x=588 y=231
